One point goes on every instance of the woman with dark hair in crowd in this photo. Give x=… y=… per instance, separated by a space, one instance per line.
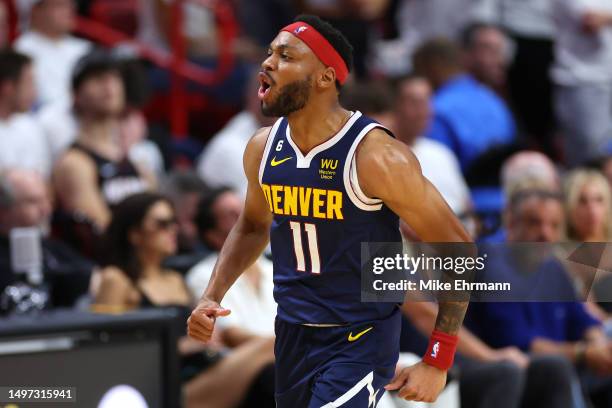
x=141 y=234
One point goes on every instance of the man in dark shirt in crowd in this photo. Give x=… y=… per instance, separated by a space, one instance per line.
x=554 y=325
x=469 y=118
x=24 y=202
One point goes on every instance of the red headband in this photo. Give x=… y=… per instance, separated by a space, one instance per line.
x=320 y=46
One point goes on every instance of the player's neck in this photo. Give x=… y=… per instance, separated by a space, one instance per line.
x=316 y=123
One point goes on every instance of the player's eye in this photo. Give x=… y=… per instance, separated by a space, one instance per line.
x=269 y=52
x=285 y=56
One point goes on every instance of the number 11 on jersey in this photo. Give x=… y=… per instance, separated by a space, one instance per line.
x=313 y=246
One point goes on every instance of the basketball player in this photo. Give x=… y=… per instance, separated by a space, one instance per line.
x=322 y=180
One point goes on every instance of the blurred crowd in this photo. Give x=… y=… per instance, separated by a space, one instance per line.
x=507 y=104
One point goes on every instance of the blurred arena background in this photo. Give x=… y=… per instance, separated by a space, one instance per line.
x=122 y=129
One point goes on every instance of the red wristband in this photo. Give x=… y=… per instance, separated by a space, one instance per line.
x=441 y=350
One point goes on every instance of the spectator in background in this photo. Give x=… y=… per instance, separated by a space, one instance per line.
x=486 y=51
x=524 y=170
x=185 y=189
x=54 y=51
x=133 y=128
x=530 y=25
x=529 y=169
x=560 y=332
x=142 y=233
x=25 y=202
x=22 y=143
x=61 y=125
x=468 y=117
x=588 y=206
x=94 y=173
x=413 y=115
x=583 y=77
x=220 y=164
x=250 y=298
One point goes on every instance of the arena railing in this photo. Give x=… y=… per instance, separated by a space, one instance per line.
x=176 y=61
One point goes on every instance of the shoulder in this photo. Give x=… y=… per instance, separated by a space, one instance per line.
x=25 y=42
x=74 y=159
x=254 y=151
x=379 y=149
x=174 y=276
x=77 y=45
x=111 y=276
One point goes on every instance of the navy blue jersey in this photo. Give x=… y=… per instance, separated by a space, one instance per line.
x=321 y=216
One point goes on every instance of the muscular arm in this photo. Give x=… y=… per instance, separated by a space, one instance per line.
x=388 y=170
x=250 y=235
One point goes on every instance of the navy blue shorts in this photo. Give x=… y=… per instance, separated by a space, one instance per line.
x=335 y=366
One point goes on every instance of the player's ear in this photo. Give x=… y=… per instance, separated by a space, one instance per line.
x=327 y=78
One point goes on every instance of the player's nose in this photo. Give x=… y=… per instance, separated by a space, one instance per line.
x=269 y=63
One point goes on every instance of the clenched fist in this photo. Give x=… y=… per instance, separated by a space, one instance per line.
x=201 y=323
x=420 y=382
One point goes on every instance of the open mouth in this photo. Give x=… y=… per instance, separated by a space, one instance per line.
x=265 y=84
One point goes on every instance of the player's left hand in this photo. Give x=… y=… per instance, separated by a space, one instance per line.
x=420 y=382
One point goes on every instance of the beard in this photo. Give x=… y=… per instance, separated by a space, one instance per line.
x=292 y=97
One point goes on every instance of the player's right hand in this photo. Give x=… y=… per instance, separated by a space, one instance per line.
x=201 y=323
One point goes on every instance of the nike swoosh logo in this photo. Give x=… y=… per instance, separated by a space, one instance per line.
x=358 y=335
x=275 y=163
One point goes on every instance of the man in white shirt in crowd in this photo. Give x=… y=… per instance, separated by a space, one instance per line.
x=22 y=143
x=221 y=161
x=413 y=111
x=582 y=73
x=250 y=298
x=54 y=51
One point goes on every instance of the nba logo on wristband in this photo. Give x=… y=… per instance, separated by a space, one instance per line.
x=441 y=350
x=435 y=349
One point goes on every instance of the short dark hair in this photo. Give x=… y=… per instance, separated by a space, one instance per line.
x=372 y=97
x=205 y=218
x=438 y=51
x=400 y=80
x=93 y=64
x=333 y=36
x=467 y=35
x=520 y=196
x=179 y=182
x=12 y=64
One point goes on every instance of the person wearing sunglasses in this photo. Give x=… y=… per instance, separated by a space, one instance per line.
x=141 y=235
